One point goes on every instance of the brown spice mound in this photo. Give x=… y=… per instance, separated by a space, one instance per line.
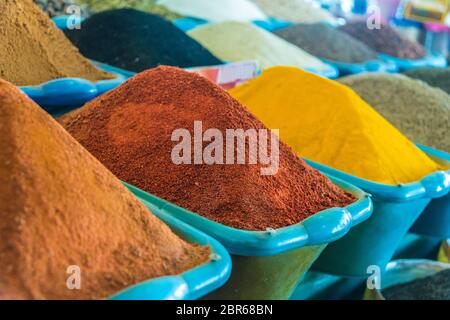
x=129 y=130
x=60 y=207
x=33 y=50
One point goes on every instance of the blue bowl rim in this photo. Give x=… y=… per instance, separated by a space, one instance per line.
x=191 y=284
x=431 y=59
x=360 y=67
x=435 y=185
x=58 y=92
x=321 y=228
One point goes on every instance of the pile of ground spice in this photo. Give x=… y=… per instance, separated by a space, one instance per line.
x=327 y=42
x=385 y=40
x=136 y=41
x=33 y=50
x=435 y=77
x=62 y=211
x=236 y=41
x=297 y=11
x=129 y=130
x=327 y=122
x=143 y=5
x=420 y=111
x=435 y=287
x=215 y=11
x=58 y=7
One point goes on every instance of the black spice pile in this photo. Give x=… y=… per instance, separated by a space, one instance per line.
x=136 y=41
x=385 y=40
x=328 y=43
x=436 y=287
x=435 y=77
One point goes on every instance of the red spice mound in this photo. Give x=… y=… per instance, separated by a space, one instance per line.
x=60 y=207
x=129 y=130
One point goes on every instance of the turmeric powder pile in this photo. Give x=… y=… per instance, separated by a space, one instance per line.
x=329 y=123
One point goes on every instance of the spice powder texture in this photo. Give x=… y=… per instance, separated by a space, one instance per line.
x=420 y=111
x=33 y=50
x=129 y=130
x=327 y=122
x=59 y=207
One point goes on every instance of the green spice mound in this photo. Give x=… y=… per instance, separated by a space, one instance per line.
x=144 y=5
x=435 y=77
x=421 y=112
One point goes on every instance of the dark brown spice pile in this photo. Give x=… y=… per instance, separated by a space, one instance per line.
x=326 y=42
x=385 y=40
x=129 y=130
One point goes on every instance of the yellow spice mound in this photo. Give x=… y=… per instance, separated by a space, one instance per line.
x=329 y=123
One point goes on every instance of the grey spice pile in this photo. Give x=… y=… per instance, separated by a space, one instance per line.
x=435 y=287
x=328 y=43
x=419 y=111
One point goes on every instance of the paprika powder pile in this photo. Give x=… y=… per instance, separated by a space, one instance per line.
x=130 y=131
x=64 y=214
x=329 y=123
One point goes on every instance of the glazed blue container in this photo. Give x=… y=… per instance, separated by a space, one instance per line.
x=186 y=24
x=414 y=246
x=431 y=60
x=74 y=92
x=192 y=284
x=374 y=242
x=61 y=21
x=331 y=72
x=435 y=220
x=269 y=264
x=272 y=24
x=403 y=271
x=369 y=66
